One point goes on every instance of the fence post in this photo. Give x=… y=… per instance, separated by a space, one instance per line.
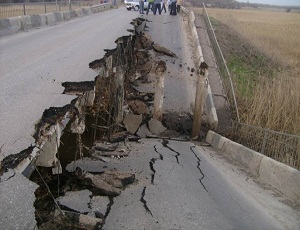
x=263 y=147
x=24 y=10
x=45 y=8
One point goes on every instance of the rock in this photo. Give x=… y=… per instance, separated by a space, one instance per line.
x=144 y=131
x=138 y=107
x=132 y=122
x=156 y=126
x=77 y=201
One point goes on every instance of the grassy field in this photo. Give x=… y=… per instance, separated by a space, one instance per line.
x=275 y=33
x=262 y=50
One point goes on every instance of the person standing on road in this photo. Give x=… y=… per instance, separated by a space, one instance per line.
x=141 y=3
x=169 y=5
x=173 y=7
x=157 y=5
x=163 y=5
x=150 y=5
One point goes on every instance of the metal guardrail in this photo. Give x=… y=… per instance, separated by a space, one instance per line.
x=280 y=146
x=8 y=10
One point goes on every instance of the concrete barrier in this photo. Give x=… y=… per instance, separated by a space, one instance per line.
x=59 y=17
x=280 y=176
x=36 y=21
x=209 y=103
x=22 y=23
x=67 y=15
x=50 y=19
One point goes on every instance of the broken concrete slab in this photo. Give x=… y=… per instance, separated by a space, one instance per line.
x=98 y=182
x=17 y=212
x=99 y=204
x=77 y=201
x=78 y=88
x=132 y=122
x=163 y=50
x=117 y=179
x=156 y=127
x=138 y=107
x=79 y=220
x=144 y=131
x=47 y=154
x=86 y=164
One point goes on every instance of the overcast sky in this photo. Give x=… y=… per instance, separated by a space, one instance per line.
x=275 y=2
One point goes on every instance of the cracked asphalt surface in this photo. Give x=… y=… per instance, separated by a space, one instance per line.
x=179 y=185
x=168 y=195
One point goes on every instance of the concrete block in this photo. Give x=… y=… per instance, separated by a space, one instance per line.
x=43 y=20
x=89 y=11
x=78 y=12
x=66 y=15
x=25 y=22
x=50 y=19
x=209 y=136
x=59 y=17
x=73 y=14
x=9 y=26
x=282 y=177
x=244 y=156
x=36 y=21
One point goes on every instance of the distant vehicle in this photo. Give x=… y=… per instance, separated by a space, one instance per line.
x=134 y=5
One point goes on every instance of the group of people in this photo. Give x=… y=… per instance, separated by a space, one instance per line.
x=160 y=5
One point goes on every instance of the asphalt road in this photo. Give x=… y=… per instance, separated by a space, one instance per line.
x=183 y=185
x=179 y=185
x=34 y=63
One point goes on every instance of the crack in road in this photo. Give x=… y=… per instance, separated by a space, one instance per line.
x=151 y=163
x=8 y=177
x=145 y=202
x=110 y=204
x=198 y=166
x=160 y=155
x=165 y=144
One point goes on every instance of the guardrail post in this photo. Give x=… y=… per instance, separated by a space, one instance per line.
x=45 y=8
x=24 y=10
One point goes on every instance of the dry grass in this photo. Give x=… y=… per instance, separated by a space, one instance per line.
x=275 y=33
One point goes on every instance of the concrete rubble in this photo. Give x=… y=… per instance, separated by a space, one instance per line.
x=77 y=200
